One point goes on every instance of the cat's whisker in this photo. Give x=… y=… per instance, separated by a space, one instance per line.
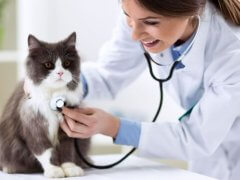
x=76 y=77
x=74 y=82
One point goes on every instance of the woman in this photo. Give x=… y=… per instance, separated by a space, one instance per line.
x=206 y=36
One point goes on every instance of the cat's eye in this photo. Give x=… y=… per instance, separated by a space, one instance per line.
x=66 y=64
x=48 y=65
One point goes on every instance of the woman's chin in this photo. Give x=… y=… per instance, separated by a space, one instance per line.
x=155 y=49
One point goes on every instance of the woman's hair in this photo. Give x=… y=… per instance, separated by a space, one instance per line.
x=229 y=8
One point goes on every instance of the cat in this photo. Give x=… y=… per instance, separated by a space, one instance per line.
x=30 y=138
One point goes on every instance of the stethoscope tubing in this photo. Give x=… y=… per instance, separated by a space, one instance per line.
x=160 y=81
x=149 y=60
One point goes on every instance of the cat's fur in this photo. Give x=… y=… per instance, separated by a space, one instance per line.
x=30 y=137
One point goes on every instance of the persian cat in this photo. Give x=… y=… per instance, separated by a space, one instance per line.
x=30 y=137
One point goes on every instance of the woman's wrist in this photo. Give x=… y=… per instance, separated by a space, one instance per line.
x=112 y=128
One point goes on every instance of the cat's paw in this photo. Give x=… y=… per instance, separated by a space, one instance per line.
x=72 y=170
x=7 y=170
x=54 y=172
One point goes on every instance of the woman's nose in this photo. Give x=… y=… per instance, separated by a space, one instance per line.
x=137 y=31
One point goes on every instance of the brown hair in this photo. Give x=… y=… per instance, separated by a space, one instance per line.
x=229 y=8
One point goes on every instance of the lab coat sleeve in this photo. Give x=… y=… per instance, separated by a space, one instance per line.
x=200 y=133
x=120 y=61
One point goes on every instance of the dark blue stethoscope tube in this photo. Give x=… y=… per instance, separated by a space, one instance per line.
x=160 y=81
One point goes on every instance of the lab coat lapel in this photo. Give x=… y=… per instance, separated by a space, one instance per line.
x=187 y=87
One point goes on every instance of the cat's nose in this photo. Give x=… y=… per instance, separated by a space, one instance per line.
x=60 y=74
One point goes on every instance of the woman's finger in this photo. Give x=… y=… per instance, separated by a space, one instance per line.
x=77 y=116
x=76 y=127
x=85 y=110
x=72 y=113
x=70 y=133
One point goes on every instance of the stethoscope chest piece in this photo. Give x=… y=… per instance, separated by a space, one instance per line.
x=57 y=103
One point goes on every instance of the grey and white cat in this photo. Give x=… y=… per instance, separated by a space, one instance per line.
x=30 y=137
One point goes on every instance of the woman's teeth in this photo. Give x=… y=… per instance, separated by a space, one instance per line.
x=150 y=43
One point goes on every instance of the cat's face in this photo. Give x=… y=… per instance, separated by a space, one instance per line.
x=53 y=65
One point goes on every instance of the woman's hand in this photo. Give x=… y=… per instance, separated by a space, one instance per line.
x=86 y=122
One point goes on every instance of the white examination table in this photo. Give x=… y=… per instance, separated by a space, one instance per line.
x=132 y=168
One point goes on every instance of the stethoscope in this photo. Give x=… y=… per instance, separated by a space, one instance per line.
x=57 y=103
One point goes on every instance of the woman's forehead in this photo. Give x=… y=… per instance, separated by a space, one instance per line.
x=133 y=9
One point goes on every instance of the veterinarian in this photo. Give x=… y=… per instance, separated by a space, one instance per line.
x=205 y=35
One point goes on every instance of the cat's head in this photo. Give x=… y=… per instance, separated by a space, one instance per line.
x=53 y=65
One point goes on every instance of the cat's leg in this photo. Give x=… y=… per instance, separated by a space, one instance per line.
x=50 y=170
x=15 y=157
x=71 y=169
x=67 y=153
x=12 y=169
x=40 y=145
x=83 y=145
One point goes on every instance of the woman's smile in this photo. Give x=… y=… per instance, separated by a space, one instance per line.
x=150 y=44
x=156 y=32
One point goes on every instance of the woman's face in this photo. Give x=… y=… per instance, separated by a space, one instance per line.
x=154 y=31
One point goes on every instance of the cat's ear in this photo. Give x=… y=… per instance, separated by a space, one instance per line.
x=33 y=42
x=71 y=39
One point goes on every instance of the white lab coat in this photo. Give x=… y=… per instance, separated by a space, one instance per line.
x=209 y=138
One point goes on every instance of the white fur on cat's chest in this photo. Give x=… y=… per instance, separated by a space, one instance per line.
x=40 y=102
x=40 y=105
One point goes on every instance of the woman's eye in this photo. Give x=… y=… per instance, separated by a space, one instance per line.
x=49 y=65
x=151 y=23
x=67 y=63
